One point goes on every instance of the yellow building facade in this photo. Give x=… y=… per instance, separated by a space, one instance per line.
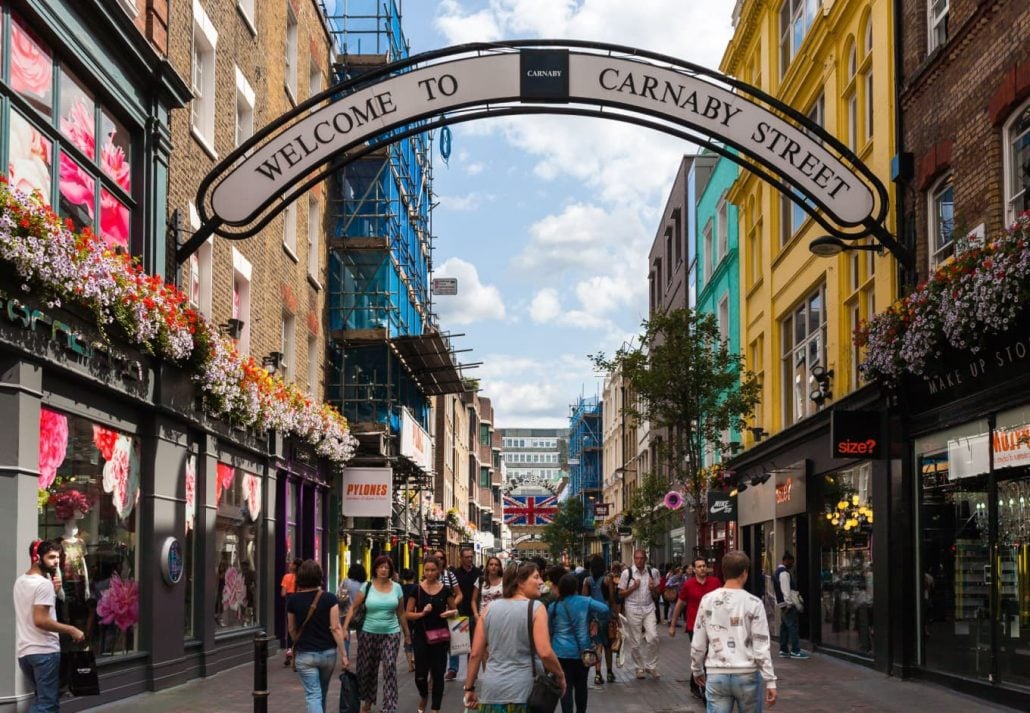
x=833 y=61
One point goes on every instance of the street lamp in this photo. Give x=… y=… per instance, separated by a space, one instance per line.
x=827 y=246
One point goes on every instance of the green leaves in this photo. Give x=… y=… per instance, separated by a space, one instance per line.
x=567 y=529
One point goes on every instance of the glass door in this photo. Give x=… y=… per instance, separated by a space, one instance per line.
x=1012 y=565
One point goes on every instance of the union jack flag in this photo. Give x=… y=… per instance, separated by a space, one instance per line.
x=530 y=510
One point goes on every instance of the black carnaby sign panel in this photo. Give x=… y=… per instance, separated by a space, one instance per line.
x=544 y=74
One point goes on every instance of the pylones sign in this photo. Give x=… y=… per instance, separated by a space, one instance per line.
x=367 y=492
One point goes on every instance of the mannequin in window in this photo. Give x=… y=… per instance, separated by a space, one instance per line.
x=70 y=506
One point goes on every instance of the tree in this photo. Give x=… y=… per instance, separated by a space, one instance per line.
x=650 y=520
x=566 y=531
x=688 y=383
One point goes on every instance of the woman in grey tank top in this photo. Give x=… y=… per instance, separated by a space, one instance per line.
x=504 y=635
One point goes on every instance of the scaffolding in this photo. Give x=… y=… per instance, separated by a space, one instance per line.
x=585 y=451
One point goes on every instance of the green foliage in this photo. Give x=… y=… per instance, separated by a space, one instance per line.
x=649 y=517
x=687 y=381
x=567 y=529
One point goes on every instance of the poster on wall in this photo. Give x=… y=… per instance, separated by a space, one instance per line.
x=416 y=443
x=367 y=492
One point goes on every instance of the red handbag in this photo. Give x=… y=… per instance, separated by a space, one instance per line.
x=433 y=636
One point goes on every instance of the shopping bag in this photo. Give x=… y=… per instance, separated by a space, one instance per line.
x=461 y=642
x=80 y=667
x=350 y=701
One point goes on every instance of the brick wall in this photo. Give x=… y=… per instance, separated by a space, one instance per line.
x=258 y=48
x=953 y=104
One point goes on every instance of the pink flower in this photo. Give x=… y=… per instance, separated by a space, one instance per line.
x=191 y=487
x=70 y=503
x=114 y=221
x=31 y=66
x=252 y=491
x=78 y=126
x=77 y=186
x=119 y=603
x=28 y=164
x=234 y=593
x=53 y=445
x=114 y=163
x=121 y=476
x=223 y=481
x=104 y=439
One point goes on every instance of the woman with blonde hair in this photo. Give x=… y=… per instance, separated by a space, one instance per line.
x=504 y=634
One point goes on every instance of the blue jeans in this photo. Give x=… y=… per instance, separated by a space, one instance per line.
x=722 y=690
x=44 y=672
x=789 y=631
x=315 y=669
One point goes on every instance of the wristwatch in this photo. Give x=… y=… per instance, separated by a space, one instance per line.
x=470 y=688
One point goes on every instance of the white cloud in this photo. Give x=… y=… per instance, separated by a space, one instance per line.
x=467 y=203
x=545 y=306
x=475 y=168
x=535 y=393
x=474 y=301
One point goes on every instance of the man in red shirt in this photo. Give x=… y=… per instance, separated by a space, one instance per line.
x=690 y=597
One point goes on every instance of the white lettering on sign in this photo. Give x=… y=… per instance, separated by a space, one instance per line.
x=690 y=101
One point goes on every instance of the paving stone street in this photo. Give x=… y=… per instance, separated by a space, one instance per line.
x=822 y=684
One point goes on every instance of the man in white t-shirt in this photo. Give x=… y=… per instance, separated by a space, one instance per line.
x=37 y=631
x=637 y=586
x=729 y=652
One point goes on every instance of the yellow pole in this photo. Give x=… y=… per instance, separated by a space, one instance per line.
x=368 y=560
x=406 y=556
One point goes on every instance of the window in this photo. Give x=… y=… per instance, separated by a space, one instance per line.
x=867 y=81
x=851 y=99
x=89 y=504
x=792 y=217
x=658 y=282
x=709 y=247
x=201 y=266
x=484 y=477
x=242 y=272
x=290 y=229
x=1017 y=164
x=291 y=52
x=652 y=303
x=677 y=235
x=804 y=346
x=668 y=257
x=205 y=39
x=796 y=18
x=314 y=358
x=755 y=248
x=314 y=79
x=64 y=144
x=724 y=319
x=937 y=23
x=238 y=512
x=289 y=346
x=942 y=221
x=244 y=108
x=247 y=10
x=314 y=231
x=484 y=434
x=723 y=217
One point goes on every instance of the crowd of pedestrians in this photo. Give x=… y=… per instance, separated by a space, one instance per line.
x=530 y=618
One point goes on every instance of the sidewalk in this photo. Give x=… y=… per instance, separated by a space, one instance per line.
x=821 y=684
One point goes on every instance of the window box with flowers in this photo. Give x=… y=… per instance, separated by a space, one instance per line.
x=979 y=294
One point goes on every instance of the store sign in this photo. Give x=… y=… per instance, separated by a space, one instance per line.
x=601 y=510
x=172 y=562
x=722 y=507
x=789 y=491
x=367 y=492
x=445 y=286
x=1011 y=447
x=855 y=434
x=416 y=443
x=436 y=533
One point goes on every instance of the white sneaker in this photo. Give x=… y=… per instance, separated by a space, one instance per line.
x=640 y=673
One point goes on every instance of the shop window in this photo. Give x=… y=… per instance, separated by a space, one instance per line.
x=89 y=492
x=936 y=23
x=1017 y=163
x=58 y=128
x=804 y=347
x=845 y=535
x=319 y=524
x=292 y=519
x=942 y=221
x=245 y=99
x=205 y=40
x=238 y=502
x=189 y=542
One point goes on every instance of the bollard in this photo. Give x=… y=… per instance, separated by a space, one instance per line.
x=261 y=672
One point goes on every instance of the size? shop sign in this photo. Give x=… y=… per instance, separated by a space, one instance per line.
x=855 y=434
x=367 y=492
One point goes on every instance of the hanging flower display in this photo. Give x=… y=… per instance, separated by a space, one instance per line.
x=121 y=476
x=70 y=503
x=223 y=480
x=981 y=292
x=190 y=476
x=119 y=603
x=53 y=445
x=234 y=593
x=104 y=439
x=81 y=268
x=252 y=494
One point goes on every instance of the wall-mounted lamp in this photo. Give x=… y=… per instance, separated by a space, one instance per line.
x=233 y=328
x=827 y=246
x=757 y=432
x=820 y=378
x=273 y=361
x=733 y=446
x=747 y=481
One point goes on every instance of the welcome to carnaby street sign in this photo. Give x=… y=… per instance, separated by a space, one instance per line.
x=779 y=144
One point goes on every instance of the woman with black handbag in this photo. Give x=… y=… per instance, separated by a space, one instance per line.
x=570 y=616
x=514 y=632
x=427 y=612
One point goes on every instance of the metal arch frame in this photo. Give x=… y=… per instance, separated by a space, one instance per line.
x=510 y=106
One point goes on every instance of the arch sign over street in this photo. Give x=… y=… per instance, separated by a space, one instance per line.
x=782 y=146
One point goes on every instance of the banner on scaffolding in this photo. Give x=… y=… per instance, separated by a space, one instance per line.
x=367 y=492
x=416 y=443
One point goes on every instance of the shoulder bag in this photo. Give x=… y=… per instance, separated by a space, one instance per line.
x=300 y=631
x=441 y=635
x=357 y=621
x=546 y=691
x=588 y=655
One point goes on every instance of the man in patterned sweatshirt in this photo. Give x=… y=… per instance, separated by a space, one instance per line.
x=729 y=654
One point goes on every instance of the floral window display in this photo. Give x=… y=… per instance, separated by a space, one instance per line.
x=239 y=496
x=89 y=478
x=58 y=127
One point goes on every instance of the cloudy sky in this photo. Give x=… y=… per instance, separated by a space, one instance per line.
x=547 y=221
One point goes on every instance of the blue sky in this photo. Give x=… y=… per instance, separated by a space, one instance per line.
x=547 y=221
